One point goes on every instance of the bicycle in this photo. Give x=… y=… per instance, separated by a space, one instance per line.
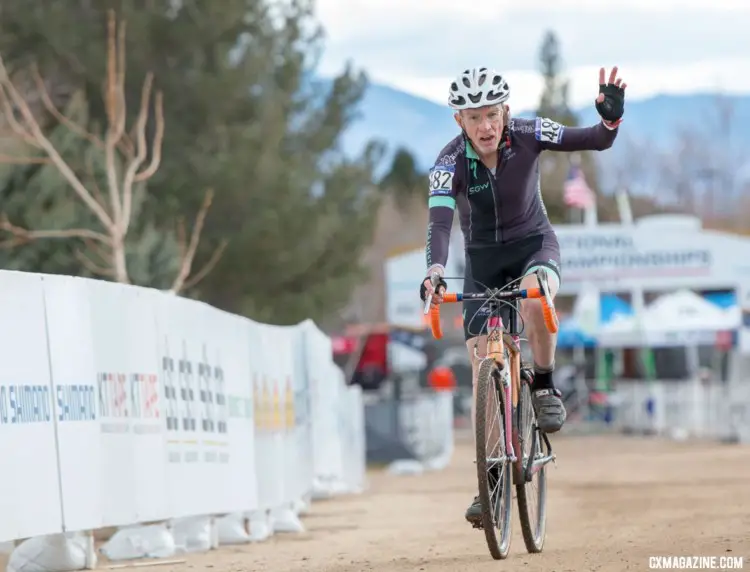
x=503 y=378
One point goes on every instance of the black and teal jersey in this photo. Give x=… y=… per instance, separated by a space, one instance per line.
x=504 y=205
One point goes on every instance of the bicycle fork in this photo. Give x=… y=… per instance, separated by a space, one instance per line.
x=510 y=454
x=495 y=327
x=507 y=413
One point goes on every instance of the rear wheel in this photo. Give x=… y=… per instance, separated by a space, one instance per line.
x=532 y=495
x=493 y=468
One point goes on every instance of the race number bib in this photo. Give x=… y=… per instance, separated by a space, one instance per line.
x=441 y=181
x=548 y=131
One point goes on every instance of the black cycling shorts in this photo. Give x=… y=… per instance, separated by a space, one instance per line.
x=494 y=265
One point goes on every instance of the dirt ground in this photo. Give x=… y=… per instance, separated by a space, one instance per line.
x=613 y=502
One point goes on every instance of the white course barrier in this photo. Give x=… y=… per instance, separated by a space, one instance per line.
x=427 y=425
x=684 y=409
x=122 y=405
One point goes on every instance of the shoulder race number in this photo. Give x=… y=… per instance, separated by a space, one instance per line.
x=548 y=131
x=441 y=180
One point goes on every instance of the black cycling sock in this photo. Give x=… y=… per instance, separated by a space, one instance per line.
x=542 y=379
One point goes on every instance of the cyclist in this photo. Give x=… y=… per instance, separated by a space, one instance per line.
x=490 y=171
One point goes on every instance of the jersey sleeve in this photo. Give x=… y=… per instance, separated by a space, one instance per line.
x=553 y=136
x=443 y=185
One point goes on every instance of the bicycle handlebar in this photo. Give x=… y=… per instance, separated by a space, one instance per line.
x=548 y=310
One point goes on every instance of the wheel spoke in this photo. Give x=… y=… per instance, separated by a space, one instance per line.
x=492 y=463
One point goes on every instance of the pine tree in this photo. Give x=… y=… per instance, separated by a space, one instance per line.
x=243 y=117
x=70 y=206
x=404 y=180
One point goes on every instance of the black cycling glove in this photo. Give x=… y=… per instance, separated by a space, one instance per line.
x=423 y=290
x=613 y=106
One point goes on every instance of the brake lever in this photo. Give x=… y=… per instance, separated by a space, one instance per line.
x=541 y=277
x=427 y=304
x=434 y=279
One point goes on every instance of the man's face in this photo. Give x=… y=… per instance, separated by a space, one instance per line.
x=484 y=126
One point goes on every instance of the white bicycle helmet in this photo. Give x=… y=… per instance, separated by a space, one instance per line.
x=478 y=87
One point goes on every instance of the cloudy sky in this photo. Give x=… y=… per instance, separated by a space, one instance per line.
x=674 y=46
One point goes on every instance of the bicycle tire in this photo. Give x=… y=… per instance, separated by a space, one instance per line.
x=499 y=548
x=533 y=531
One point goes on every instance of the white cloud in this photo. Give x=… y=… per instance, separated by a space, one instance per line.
x=661 y=46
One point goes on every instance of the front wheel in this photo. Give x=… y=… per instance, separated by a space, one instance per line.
x=532 y=495
x=493 y=467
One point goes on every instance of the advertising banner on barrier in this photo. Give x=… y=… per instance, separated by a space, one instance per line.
x=267 y=352
x=300 y=410
x=209 y=460
x=354 y=448
x=30 y=499
x=324 y=402
x=122 y=405
x=102 y=339
x=285 y=350
x=232 y=364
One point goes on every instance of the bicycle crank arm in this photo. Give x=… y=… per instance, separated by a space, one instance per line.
x=500 y=460
x=533 y=467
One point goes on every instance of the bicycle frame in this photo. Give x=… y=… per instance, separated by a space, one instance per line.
x=497 y=340
x=510 y=373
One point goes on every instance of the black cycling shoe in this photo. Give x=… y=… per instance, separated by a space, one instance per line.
x=549 y=408
x=474 y=512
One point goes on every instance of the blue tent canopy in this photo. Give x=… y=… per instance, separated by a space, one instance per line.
x=722 y=299
x=570 y=334
x=611 y=305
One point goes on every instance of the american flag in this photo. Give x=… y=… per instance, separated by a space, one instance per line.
x=578 y=194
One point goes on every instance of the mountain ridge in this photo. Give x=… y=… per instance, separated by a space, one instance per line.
x=400 y=119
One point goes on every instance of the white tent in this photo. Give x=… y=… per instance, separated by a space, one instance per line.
x=677 y=319
x=686 y=310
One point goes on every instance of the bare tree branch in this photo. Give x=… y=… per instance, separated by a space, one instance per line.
x=44 y=143
x=114 y=103
x=102 y=251
x=95 y=191
x=157 y=143
x=141 y=154
x=60 y=117
x=9 y=160
x=23 y=235
x=10 y=115
x=123 y=151
x=126 y=146
x=92 y=266
x=187 y=259
x=182 y=241
x=208 y=267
